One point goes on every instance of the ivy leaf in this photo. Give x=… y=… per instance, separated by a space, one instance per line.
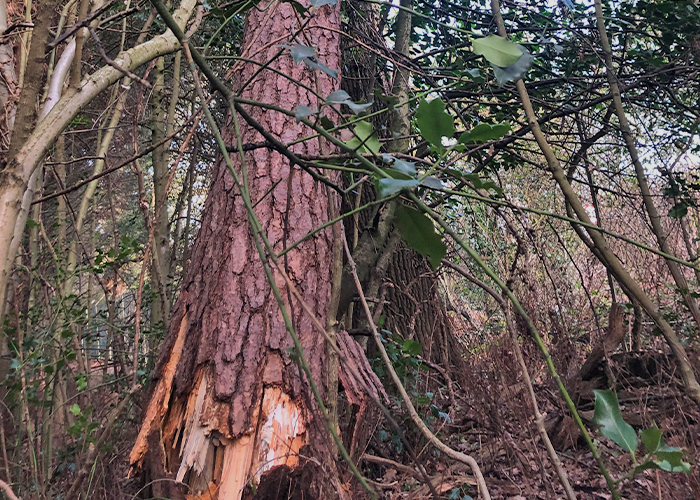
x=338 y=97
x=484 y=132
x=387 y=187
x=497 y=50
x=668 y=458
x=302 y=112
x=405 y=167
x=434 y=123
x=612 y=425
x=418 y=231
x=679 y=210
x=299 y=52
x=366 y=140
x=514 y=71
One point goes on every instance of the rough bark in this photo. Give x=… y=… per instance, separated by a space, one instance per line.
x=228 y=403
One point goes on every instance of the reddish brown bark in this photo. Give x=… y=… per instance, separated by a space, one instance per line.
x=233 y=379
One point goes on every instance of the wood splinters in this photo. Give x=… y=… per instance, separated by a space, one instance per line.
x=159 y=402
x=281 y=434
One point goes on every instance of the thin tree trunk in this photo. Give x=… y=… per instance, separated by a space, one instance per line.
x=654 y=217
x=160 y=307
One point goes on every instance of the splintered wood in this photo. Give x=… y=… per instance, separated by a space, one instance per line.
x=280 y=435
x=217 y=466
x=160 y=400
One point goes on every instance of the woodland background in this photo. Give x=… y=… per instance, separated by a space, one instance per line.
x=521 y=215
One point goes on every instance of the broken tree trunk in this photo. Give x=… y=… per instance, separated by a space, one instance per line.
x=228 y=404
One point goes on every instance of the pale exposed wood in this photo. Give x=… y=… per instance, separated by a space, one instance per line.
x=195 y=442
x=160 y=400
x=237 y=458
x=282 y=432
x=280 y=435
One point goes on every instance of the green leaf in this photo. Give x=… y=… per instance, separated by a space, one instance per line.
x=497 y=50
x=612 y=425
x=405 y=167
x=418 y=231
x=297 y=6
x=312 y=63
x=366 y=140
x=388 y=187
x=74 y=409
x=484 y=132
x=432 y=182
x=337 y=97
x=302 y=112
x=514 y=71
x=411 y=347
x=321 y=3
x=327 y=123
x=679 y=210
x=434 y=123
x=299 y=52
x=358 y=108
x=651 y=439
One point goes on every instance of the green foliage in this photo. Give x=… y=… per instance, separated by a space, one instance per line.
x=612 y=425
x=516 y=70
x=434 y=123
x=497 y=50
x=419 y=232
x=659 y=455
x=366 y=140
x=484 y=132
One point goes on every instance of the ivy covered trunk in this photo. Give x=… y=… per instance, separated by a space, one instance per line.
x=227 y=403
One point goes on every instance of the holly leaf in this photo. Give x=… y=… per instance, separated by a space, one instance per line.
x=405 y=167
x=514 y=71
x=434 y=123
x=497 y=50
x=607 y=415
x=484 y=132
x=366 y=140
x=387 y=187
x=299 y=52
x=358 y=108
x=338 y=97
x=418 y=231
x=302 y=112
x=432 y=182
x=411 y=347
x=679 y=210
x=312 y=63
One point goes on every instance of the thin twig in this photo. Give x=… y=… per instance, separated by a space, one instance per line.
x=454 y=454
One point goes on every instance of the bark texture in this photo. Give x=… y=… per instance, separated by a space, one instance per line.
x=228 y=403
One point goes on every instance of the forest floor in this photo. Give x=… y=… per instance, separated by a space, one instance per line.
x=492 y=420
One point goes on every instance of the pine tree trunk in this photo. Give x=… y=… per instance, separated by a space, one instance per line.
x=228 y=403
